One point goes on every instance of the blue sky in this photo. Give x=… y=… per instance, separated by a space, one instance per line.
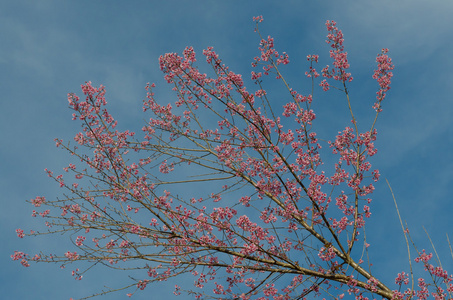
x=49 y=48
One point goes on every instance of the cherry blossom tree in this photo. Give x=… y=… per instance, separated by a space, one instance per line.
x=228 y=186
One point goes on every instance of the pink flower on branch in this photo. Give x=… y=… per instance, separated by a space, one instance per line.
x=20 y=233
x=340 y=57
x=71 y=255
x=383 y=75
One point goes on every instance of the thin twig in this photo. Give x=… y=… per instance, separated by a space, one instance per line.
x=449 y=245
x=405 y=236
x=434 y=248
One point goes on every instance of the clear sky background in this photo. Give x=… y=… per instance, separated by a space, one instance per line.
x=49 y=48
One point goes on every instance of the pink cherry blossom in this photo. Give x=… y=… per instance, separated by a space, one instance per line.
x=229 y=185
